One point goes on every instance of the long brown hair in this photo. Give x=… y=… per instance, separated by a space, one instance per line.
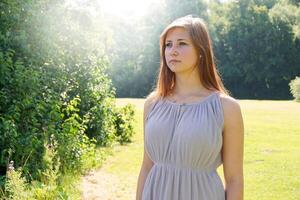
x=209 y=75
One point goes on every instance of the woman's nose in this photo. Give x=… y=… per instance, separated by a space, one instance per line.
x=174 y=51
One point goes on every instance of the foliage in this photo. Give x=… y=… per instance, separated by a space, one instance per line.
x=124 y=118
x=74 y=147
x=56 y=100
x=257 y=54
x=20 y=116
x=295 y=88
x=16 y=186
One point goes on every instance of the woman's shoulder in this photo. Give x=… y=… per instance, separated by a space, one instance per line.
x=150 y=100
x=231 y=105
x=227 y=98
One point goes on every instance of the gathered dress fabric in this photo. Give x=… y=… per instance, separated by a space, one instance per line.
x=184 y=140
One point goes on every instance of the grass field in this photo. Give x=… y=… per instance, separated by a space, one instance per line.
x=271 y=159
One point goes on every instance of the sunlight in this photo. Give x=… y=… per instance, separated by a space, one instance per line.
x=128 y=8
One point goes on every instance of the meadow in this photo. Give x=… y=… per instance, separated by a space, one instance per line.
x=271 y=153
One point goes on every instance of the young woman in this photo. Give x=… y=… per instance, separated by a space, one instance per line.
x=191 y=124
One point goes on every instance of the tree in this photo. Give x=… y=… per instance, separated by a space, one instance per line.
x=257 y=54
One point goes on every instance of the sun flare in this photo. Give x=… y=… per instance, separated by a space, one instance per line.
x=126 y=8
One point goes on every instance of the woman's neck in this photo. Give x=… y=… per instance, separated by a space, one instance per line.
x=189 y=86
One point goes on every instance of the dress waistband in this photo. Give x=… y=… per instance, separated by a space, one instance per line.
x=181 y=167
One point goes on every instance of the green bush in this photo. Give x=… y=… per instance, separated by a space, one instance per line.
x=295 y=88
x=21 y=114
x=74 y=147
x=48 y=187
x=39 y=84
x=124 y=118
x=53 y=91
x=16 y=187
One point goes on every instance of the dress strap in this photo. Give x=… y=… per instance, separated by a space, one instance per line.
x=152 y=105
x=218 y=110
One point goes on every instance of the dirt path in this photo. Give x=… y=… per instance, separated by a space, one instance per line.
x=115 y=180
x=99 y=185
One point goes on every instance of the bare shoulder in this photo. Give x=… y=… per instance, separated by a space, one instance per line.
x=232 y=112
x=230 y=104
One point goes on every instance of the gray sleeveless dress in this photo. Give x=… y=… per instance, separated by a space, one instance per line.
x=184 y=141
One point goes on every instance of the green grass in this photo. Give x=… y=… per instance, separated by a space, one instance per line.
x=272 y=149
x=271 y=159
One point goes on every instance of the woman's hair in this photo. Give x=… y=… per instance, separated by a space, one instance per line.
x=209 y=75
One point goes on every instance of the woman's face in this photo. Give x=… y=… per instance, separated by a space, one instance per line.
x=180 y=53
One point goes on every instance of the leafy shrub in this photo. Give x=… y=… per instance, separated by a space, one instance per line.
x=47 y=187
x=124 y=118
x=21 y=114
x=295 y=88
x=97 y=104
x=16 y=186
x=74 y=147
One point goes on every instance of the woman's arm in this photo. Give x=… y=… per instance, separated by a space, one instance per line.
x=147 y=162
x=233 y=149
x=146 y=167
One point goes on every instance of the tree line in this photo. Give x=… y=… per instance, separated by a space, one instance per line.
x=256 y=44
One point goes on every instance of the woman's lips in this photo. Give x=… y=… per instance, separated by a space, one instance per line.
x=174 y=61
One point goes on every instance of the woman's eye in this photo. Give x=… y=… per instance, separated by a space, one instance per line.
x=168 y=45
x=182 y=43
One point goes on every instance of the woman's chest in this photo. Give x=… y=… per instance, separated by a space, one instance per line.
x=187 y=127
